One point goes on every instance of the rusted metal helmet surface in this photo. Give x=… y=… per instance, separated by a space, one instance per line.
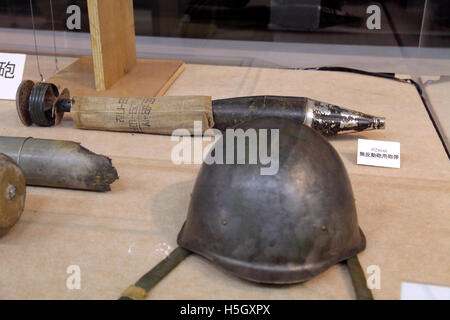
x=282 y=228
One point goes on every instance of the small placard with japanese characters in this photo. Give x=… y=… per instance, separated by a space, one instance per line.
x=379 y=153
x=11 y=73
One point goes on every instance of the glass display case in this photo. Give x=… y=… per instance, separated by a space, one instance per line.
x=347 y=65
x=404 y=37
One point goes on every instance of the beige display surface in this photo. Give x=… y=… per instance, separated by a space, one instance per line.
x=116 y=237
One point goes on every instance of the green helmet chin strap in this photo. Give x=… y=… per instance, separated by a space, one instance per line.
x=362 y=292
x=139 y=290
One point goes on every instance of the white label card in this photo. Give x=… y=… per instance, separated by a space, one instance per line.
x=378 y=153
x=11 y=73
x=419 y=291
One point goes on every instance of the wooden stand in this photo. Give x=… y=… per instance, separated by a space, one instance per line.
x=113 y=69
x=150 y=77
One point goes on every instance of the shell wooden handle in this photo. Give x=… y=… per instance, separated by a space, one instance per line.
x=158 y=115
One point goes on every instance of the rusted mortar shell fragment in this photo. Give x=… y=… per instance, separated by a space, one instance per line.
x=58 y=163
x=12 y=193
x=323 y=117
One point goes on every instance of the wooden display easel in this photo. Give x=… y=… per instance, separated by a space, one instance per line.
x=113 y=69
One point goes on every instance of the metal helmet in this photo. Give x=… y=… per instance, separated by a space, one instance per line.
x=281 y=228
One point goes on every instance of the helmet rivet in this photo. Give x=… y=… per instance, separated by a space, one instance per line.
x=224 y=222
x=324 y=228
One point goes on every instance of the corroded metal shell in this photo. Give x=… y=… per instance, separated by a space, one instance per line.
x=59 y=163
x=232 y=111
x=12 y=193
x=281 y=228
x=325 y=118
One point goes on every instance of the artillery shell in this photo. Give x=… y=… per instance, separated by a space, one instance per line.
x=58 y=163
